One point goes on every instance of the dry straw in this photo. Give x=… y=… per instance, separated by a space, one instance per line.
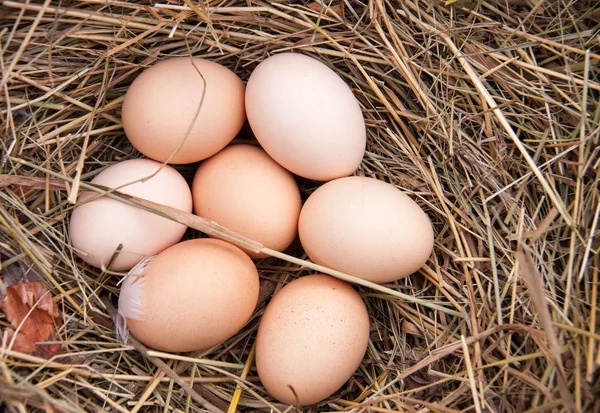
x=484 y=112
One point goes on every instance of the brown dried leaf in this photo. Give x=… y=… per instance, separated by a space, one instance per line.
x=30 y=308
x=337 y=9
x=410 y=328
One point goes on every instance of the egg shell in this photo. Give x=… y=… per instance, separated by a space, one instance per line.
x=306 y=117
x=162 y=101
x=246 y=191
x=367 y=228
x=192 y=296
x=312 y=336
x=97 y=227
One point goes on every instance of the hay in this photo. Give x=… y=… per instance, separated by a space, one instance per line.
x=484 y=112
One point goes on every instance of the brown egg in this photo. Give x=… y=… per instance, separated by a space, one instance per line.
x=367 y=228
x=161 y=103
x=246 y=191
x=192 y=296
x=312 y=336
x=306 y=117
x=97 y=228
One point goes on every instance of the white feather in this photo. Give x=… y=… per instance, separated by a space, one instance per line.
x=130 y=298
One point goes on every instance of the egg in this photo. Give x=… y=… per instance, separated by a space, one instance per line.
x=246 y=191
x=305 y=116
x=97 y=227
x=367 y=228
x=312 y=337
x=161 y=104
x=192 y=296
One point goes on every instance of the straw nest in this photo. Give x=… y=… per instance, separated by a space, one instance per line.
x=486 y=113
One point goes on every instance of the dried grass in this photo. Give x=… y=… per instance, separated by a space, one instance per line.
x=484 y=112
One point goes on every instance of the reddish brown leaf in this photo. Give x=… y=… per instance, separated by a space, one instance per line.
x=30 y=308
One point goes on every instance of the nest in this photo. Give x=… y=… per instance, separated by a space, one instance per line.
x=486 y=113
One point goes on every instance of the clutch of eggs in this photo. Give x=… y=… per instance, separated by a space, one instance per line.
x=198 y=293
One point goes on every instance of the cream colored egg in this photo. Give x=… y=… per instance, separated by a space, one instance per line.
x=97 y=227
x=162 y=102
x=246 y=191
x=312 y=337
x=367 y=228
x=306 y=117
x=192 y=296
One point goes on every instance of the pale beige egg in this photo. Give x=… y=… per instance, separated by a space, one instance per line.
x=367 y=228
x=305 y=117
x=98 y=227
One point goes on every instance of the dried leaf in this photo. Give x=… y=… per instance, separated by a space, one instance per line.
x=31 y=310
x=410 y=328
x=337 y=9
